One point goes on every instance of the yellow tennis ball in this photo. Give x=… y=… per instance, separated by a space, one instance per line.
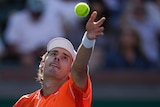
x=82 y=9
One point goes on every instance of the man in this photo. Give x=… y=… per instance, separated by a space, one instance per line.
x=64 y=74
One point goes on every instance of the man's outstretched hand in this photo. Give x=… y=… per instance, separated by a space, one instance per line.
x=94 y=29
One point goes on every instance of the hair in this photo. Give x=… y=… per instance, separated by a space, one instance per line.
x=41 y=70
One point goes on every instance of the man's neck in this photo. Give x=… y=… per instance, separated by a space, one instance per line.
x=51 y=86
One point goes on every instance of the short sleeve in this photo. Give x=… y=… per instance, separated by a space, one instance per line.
x=78 y=92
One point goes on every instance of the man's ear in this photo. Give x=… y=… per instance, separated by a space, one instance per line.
x=41 y=64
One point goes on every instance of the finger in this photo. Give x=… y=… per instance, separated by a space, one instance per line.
x=101 y=29
x=93 y=17
x=101 y=21
x=99 y=34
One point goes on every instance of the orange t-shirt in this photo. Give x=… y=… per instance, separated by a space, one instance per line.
x=68 y=95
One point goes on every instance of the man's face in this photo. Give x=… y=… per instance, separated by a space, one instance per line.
x=57 y=64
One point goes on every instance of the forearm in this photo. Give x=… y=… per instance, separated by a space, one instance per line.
x=82 y=59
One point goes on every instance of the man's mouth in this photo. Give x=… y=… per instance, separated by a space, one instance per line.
x=55 y=65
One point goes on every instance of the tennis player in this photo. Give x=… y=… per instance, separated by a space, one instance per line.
x=64 y=73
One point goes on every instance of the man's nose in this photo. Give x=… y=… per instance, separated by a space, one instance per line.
x=56 y=58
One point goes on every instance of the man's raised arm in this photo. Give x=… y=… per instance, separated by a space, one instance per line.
x=79 y=69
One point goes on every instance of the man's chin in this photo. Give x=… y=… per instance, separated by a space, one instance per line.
x=54 y=70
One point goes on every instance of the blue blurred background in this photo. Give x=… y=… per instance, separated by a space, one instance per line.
x=124 y=68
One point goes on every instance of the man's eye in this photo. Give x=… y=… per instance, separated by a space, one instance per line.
x=64 y=58
x=53 y=54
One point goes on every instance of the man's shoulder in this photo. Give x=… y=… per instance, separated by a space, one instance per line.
x=29 y=96
x=26 y=99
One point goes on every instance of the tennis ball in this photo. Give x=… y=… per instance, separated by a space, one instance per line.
x=82 y=9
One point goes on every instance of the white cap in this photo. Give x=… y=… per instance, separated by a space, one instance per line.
x=62 y=43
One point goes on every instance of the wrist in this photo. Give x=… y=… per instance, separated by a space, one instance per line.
x=87 y=43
